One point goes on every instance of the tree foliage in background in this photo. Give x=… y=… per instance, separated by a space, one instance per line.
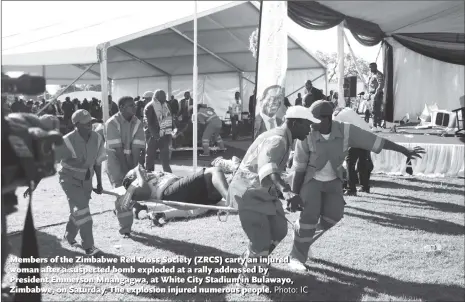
x=79 y=87
x=253 y=42
x=329 y=59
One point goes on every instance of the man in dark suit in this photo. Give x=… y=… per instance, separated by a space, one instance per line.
x=270 y=106
x=298 y=100
x=252 y=104
x=174 y=105
x=184 y=105
x=312 y=95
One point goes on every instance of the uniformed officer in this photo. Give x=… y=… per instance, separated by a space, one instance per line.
x=318 y=175
x=158 y=128
x=212 y=128
x=81 y=156
x=376 y=82
x=254 y=187
x=124 y=137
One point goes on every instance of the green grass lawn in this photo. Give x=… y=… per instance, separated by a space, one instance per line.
x=376 y=253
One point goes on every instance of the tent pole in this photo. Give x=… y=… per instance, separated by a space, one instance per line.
x=170 y=88
x=104 y=82
x=326 y=82
x=55 y=97
x=110 y=87
x=355 y=62
x=45 y=77
x=194 y=88
x=241 y=89
x=340 y=55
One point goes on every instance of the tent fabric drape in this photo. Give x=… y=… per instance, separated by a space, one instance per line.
x=388 y=72
x=445 y=47
x=313 y=15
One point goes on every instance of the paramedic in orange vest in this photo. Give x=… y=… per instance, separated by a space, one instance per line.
x=158 y=128
x=212 y=128
x=318 y=175
x=255 y=185
x=81 y=157
x=124 y=136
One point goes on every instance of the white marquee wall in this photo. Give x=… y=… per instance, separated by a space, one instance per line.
x=215 y=90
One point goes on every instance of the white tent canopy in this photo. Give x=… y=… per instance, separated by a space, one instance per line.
x=155 y=50
x=148 y=46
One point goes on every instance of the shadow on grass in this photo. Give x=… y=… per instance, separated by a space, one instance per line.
x=422 y=203
x=406 y=222
x=433 y=182
x=326 y=281
x=447 y=189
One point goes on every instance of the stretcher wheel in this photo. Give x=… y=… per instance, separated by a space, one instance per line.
x=224 y=214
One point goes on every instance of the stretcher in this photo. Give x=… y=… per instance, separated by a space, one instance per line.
x=223 y=211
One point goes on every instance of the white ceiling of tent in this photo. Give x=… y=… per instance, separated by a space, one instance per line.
x=224 y=29
x=406 y=16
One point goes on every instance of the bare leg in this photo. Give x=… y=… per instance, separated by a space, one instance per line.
x=216 y=181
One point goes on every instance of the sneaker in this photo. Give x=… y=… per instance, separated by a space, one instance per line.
x=158 y=219
x=92 y=251
x=138 y=208
x=296 y=265
x=126 y=235
x=364 y=190
x=350 y=193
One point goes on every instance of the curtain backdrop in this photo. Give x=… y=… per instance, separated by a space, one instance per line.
x=446 y=47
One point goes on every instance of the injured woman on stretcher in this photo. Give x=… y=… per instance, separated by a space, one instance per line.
x=209 y=186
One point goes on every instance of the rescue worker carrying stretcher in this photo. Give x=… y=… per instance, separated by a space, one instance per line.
x=124 y=136
x=81 y=157
x=258 y=179
x=318 y=163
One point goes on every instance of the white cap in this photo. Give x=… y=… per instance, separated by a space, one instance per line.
x=302 y=113
x=148 y=94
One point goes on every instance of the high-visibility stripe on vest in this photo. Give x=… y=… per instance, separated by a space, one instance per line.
x=127 y=149
x=345 y=144
x=77 y=168
x=69 y=146
x=164 y=117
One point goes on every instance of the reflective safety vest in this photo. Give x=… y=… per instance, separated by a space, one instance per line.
x=83 y=155
x=206 y=115
x=164 y=117
x=117 y=139
x=99 y=129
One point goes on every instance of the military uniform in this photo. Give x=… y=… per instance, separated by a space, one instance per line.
x=376 y=81
x=128 y=135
